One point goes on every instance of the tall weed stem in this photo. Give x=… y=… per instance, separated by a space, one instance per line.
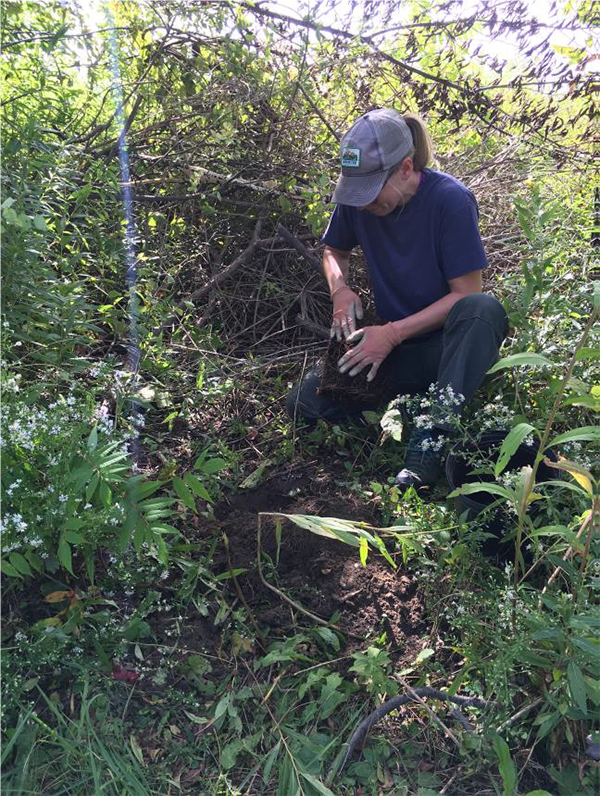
x=544 y=441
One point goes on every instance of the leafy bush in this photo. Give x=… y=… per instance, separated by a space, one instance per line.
x=67 y=485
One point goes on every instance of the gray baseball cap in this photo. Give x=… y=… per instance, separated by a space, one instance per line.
x=375 y=143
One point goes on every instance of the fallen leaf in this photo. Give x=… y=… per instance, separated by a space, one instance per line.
x=124 y=675
x=59 y=596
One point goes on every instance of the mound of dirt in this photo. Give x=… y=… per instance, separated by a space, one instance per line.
x=323 y=575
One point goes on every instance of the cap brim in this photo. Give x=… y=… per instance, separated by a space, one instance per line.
x=358 y=191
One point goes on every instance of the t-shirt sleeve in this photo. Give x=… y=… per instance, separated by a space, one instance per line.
x=340 y=232
x=461 y=248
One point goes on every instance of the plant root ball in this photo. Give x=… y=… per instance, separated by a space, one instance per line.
x=343 y=387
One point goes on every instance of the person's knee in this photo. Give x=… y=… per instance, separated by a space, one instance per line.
x=483 y=306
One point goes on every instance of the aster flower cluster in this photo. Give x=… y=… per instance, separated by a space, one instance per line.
x=439 y=407
x=43 y=441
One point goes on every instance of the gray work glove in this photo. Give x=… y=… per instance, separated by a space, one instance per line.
x=347 y=308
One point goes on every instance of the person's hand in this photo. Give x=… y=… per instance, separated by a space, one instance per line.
x=375 y=344
x=347 y=308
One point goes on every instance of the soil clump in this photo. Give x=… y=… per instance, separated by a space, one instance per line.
x=343 y=387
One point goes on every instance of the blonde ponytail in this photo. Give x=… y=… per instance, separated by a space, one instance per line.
x=423 y=151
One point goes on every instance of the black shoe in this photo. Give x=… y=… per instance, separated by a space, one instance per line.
x=423 y=463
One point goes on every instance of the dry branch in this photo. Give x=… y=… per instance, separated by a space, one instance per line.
x=300 y=248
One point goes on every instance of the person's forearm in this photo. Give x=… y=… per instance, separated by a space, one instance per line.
x=336 y=265
x=426 y=320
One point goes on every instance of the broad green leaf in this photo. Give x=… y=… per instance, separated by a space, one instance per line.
x=510 y=445
x=585 y=433
x=64 y=555
x=19 y=562
x=506 y=766
x=184 y=493
x=493 y=489
x=230 y=753
x=211 y=466
x=9 y=570
x=317 y=784
x=577 y=686
x=73 y=524
x=516 y=360
x=197 y=486
x=93 y=440
x=590 y=649
x=328 y=636
x=588 y=353
x=74 y=538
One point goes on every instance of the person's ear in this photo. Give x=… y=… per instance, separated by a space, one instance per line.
x=407 y=168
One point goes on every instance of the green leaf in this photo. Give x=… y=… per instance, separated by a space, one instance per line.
x=20 y=563
x=510 y=445
x=588 y=353
x=230 y=753
x=548 y=724
x=585 y=433
x=9 y=215
x=197 y=486
x=506 y=766
x=91 y=487
x=92 y=442
x=516 y=360
x=423 y=655
x=363 y=551
x=184 y=493
x=577 y=686
x=270 y=762
x=328 y=636
x=211 y=466
x=493 y=489
x=9 y=570
x=105 y=494
x=317 y=784
x=590 y=649
x=528 y=656
x=75 y=538
x=64 y=555
x=538 y=793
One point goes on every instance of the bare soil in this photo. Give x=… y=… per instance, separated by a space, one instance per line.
x=324 y=575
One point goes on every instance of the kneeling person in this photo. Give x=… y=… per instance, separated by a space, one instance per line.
x=418 y=230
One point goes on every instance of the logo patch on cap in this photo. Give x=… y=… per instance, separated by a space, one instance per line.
x=351 y=157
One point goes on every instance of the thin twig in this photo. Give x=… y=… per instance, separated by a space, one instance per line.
x=283 y=596
x=518 y=714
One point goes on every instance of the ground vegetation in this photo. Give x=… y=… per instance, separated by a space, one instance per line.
x=199 y=596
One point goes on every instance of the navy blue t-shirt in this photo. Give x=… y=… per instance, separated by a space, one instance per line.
x=412 y=253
